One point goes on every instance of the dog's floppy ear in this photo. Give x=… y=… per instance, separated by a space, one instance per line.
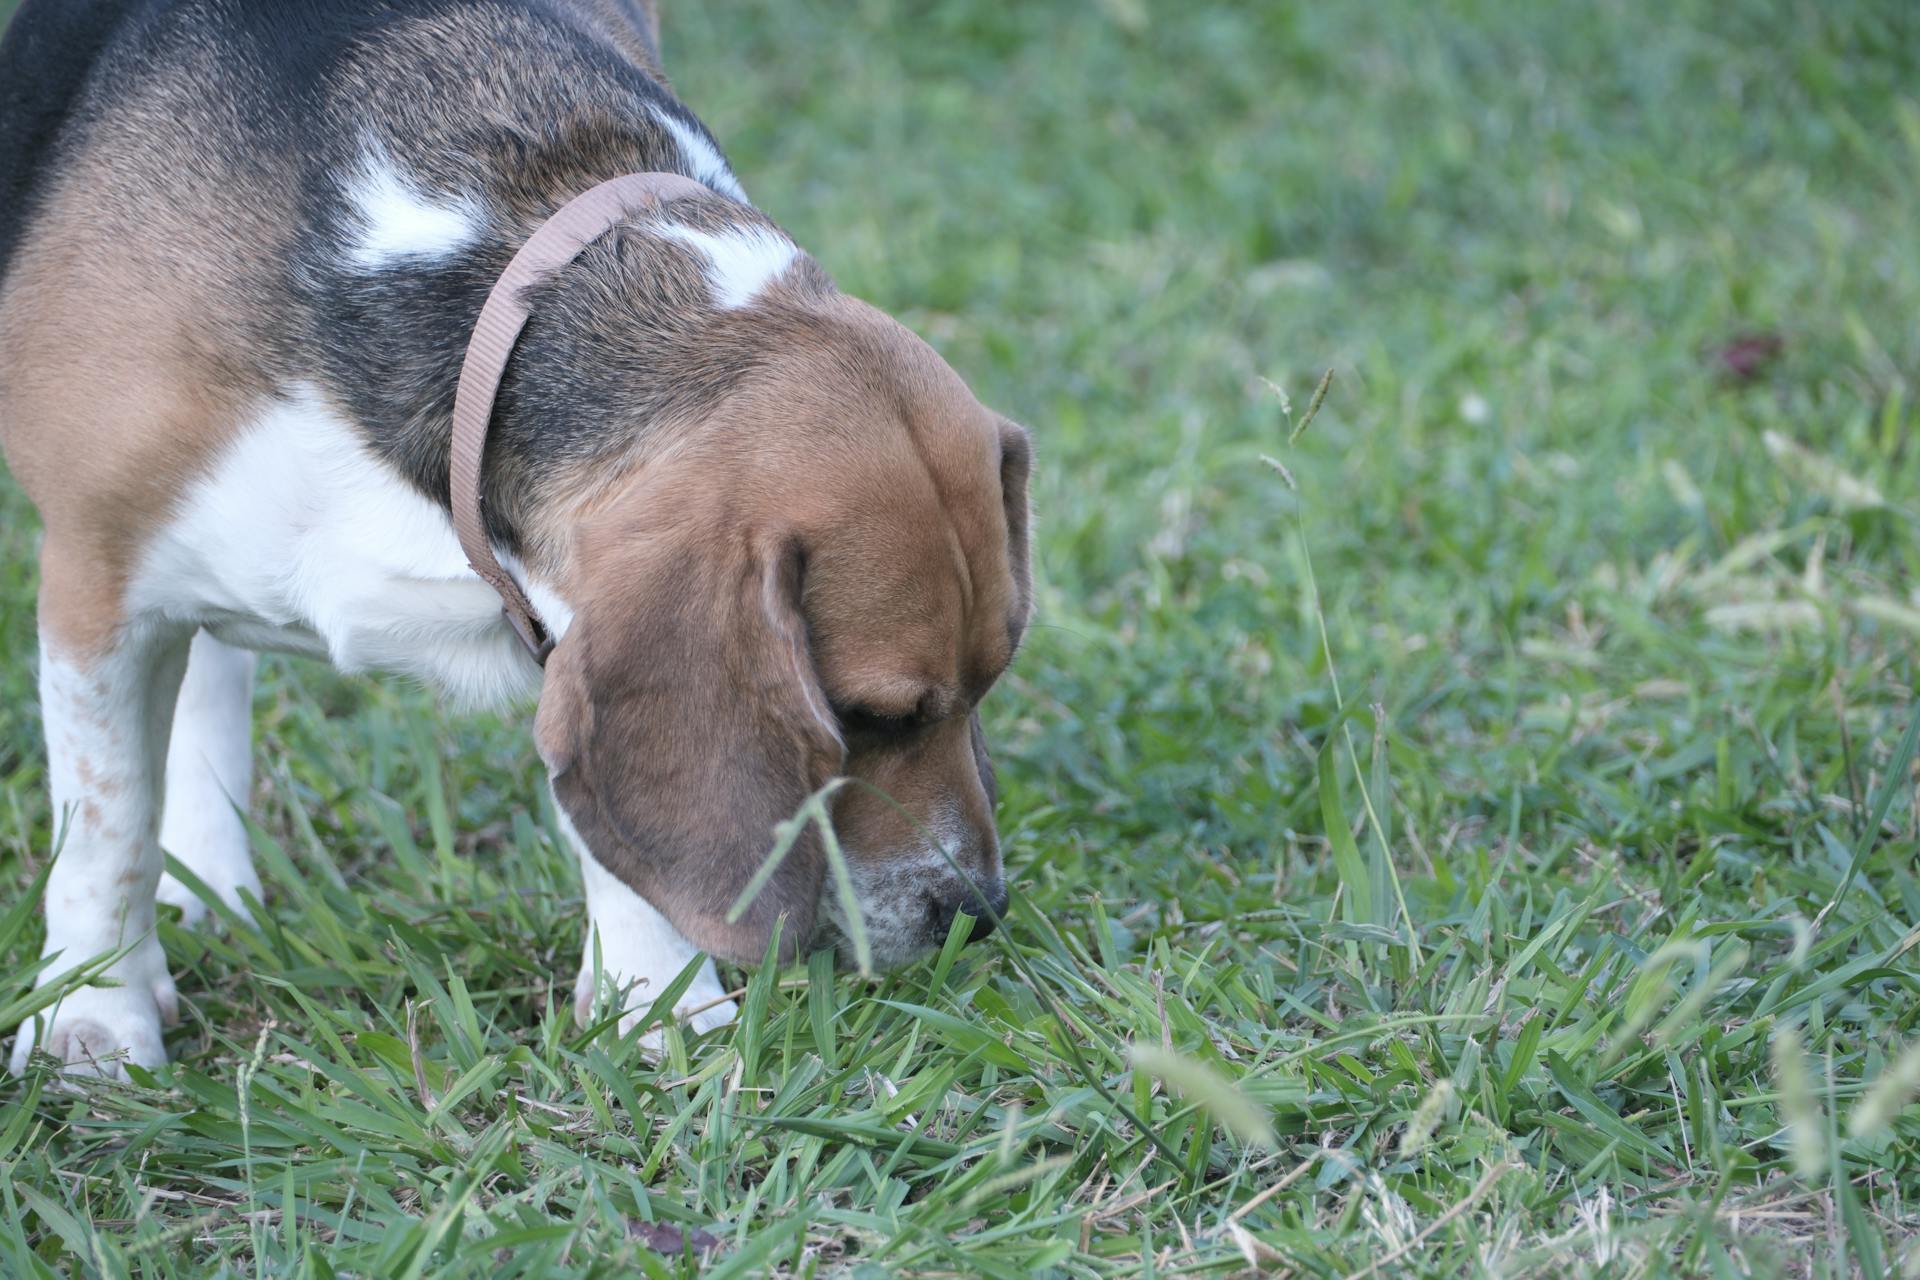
x=681 y=719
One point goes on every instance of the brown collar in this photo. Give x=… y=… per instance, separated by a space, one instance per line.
x=558 y=241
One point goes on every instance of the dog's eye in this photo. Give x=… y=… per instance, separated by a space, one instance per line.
x=868 y=723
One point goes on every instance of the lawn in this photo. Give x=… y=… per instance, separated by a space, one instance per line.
x=1481 y=840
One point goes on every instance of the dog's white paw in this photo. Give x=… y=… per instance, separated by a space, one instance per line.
x=206 y=834
x=654 y=1042
x=194 y=913
x=633 y=952
x=99 y=1030
x=701 y=1008
x=698 y=1016
x=96 y=1030
x=711 y=1018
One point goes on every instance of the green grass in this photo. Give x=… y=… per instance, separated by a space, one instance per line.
x=1537 y=895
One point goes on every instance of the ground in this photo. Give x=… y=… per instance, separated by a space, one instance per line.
x=1524 y=883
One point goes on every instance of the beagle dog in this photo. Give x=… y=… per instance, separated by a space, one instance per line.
x=775 y=538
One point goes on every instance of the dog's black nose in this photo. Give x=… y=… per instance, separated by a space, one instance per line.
x=986 y=911
x=983 y=924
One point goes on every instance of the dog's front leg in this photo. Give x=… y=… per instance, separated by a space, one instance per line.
x=107 y=705
x=633 y=952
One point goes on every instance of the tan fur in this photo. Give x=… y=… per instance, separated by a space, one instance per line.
x=120 y=326
x=678 y=725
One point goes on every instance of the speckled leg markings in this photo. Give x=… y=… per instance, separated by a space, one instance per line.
x=209 y=775
x=107 y=718
x=638 y=954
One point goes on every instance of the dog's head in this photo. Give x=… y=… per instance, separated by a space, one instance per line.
x=822 y=579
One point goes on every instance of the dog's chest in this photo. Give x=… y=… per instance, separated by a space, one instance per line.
x=300 y=540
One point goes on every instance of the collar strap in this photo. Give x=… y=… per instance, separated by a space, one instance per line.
x=557 y=242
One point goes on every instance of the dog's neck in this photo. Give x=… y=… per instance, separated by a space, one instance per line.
x=646 y=331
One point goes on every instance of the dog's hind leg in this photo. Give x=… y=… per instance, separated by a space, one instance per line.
x=107 y=694
x=209 y=775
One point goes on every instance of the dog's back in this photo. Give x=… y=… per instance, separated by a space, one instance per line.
x=58 y=65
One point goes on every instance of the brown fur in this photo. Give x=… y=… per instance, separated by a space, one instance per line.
x=847 y=504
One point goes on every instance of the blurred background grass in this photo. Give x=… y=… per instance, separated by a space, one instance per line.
x=1612 y=511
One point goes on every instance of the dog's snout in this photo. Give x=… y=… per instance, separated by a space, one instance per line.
x=986 y=907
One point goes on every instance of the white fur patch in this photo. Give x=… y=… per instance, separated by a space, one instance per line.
x=638 y=952
x=400 y=223
x=705 y=164
x=741 y=261
x=302 y=540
